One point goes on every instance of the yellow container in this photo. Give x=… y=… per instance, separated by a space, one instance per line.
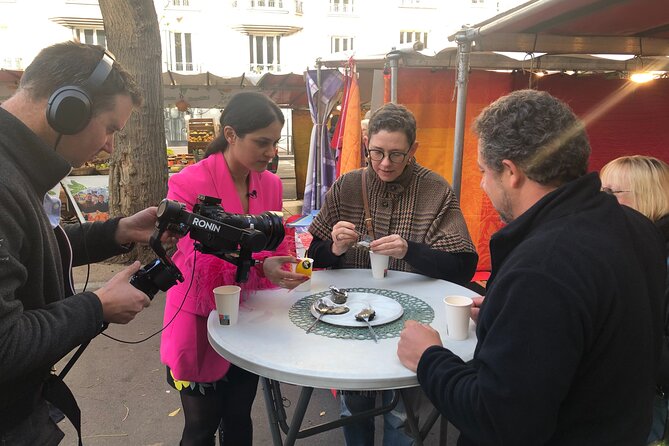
x=304 y=266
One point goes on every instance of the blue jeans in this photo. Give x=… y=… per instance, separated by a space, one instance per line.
x=362 y=432
x=659 y=419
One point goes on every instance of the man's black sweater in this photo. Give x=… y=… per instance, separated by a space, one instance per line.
x=569 y=334
x=38 y=326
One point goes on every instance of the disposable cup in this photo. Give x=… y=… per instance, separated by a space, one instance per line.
x=379 y=265
x=458 y=312
x=227 y=304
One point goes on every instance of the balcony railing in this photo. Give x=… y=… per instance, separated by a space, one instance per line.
x=183 y=66
x=266 y=4
x=337 y=7
x=265 y=68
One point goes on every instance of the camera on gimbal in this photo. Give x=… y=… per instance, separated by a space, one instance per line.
x=231 y=237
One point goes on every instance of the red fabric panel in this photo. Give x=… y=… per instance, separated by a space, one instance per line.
x=622 y=117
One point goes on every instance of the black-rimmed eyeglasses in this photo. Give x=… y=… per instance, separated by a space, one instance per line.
x=610 y=191
x=394 y=157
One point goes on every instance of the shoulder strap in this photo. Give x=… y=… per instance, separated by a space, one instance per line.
x=365 y=200
x=57 y=393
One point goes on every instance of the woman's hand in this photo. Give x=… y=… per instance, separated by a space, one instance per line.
x=343 y=236
x=273 y=269
x=391 y=245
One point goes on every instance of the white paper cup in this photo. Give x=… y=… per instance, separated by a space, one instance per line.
x=227 y=304
x=458 y=312
x=379 y=265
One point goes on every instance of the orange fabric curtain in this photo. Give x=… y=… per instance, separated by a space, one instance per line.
x=351 y=151
x=430 y=96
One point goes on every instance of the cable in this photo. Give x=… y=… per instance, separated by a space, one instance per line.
x=55 y=145
x=83 y=237
x=173 y=317
x=81 y=226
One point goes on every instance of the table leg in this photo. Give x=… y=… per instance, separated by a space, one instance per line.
x=278 y=420
x=298 y=415
x=270 y=403
x=412 y=420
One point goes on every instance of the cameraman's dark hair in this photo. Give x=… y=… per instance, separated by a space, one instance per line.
x=246 y=112
x=71 y=63
x=393 y=118
x=536 y=131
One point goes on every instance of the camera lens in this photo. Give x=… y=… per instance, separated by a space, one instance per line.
x=269 y=223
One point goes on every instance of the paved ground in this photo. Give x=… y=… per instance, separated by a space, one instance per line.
x=121 y=387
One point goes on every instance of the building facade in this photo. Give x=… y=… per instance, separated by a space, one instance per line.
x=231 y=37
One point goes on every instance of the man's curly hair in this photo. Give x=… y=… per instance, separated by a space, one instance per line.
x=536 y=131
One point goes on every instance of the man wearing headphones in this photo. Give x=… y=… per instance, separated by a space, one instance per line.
x=70 y=102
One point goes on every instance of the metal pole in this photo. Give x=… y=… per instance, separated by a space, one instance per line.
x=464 y=49
x=318 y=164
x=393 y=61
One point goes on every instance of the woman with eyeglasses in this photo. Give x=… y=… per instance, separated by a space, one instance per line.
x=642 y=183
x=415 y=219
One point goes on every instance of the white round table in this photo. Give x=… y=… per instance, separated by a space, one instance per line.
x=266 y=342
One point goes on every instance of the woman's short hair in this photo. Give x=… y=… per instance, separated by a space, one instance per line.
x=393 y=118
x=246 y=112
x=647 y=179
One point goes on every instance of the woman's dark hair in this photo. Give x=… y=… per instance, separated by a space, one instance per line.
x=393 y=118
x=246 y=112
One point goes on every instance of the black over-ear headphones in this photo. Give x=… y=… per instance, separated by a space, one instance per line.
x=69 y=108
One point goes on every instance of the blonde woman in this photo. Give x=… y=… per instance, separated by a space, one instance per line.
x=642 y=183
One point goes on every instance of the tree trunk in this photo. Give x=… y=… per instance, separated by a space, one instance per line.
x=138 y=169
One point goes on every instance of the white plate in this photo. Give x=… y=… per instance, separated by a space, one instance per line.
x=387 y=310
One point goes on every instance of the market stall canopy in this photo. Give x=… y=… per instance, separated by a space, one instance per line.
x=562 y=35
x=202 y=90
x=287 y=90
x=206 y=90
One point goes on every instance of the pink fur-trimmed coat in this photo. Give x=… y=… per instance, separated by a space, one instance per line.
x=184 y=346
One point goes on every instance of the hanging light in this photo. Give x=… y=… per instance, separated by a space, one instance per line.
x=182 y=105
x=643 y=77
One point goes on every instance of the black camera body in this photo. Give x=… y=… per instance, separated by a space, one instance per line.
x=156 y=276
x=231 y=237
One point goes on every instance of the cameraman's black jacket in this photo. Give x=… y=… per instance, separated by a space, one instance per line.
x=37 y=325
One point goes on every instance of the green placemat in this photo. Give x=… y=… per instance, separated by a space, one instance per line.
x=414 y=308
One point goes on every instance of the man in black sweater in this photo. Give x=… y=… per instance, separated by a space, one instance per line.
x=70 y=102
x=569 y=333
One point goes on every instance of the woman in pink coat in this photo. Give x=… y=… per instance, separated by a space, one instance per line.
x=212 y=390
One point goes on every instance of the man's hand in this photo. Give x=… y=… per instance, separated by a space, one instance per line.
x=391 y=245
x=476 y=308
x=343 y=236
x=414 y=340
x=120 y=300
x=139 y=227
x=272 y=268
